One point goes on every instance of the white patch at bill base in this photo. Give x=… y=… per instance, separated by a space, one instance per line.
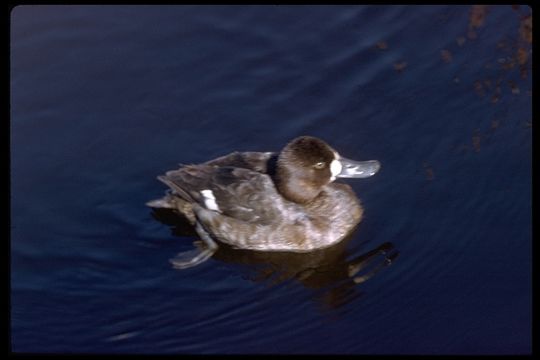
x=335 y=169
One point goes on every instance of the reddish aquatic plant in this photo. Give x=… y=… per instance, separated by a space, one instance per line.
x=446 y=56
x=400 y=66
x=381 y=45
x=525 y=29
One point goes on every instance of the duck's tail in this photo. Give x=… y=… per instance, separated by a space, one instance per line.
x=163 y=203
x=177 y=189
x=169 y=201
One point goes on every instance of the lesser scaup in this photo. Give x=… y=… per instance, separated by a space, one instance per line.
x=267 y=201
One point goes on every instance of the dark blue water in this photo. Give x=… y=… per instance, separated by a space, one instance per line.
x=105 y=98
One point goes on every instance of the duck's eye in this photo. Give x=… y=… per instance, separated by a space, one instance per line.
x=320 y=165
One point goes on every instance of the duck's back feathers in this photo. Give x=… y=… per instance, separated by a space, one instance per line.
x=263 y=162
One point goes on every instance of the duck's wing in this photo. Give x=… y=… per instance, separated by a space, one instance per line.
x=239 y=193
x=261 y=162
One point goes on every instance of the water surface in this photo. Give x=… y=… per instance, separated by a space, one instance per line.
x=105 y=98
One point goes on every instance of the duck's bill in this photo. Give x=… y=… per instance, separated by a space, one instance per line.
x=358 y=169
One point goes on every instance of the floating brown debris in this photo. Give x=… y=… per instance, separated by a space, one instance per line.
x=495 y=124
x=497 y=95
x=477 y=16
x=507 y=64
x=446 y=56
x=522 y=56
x=400 y=66
x=430 y=174
x=514 y=87
x=502 y=45
x=381 y=45
x=476 y=140
x=479 y=88
x=524 y=71
x=513 y=54
x=525 y=29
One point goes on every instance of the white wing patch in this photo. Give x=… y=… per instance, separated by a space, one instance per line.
x=210 y=200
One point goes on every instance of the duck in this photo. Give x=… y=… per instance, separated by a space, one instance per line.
x=285 y=201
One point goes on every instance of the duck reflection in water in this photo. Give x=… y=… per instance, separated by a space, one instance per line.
x=331 y=271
